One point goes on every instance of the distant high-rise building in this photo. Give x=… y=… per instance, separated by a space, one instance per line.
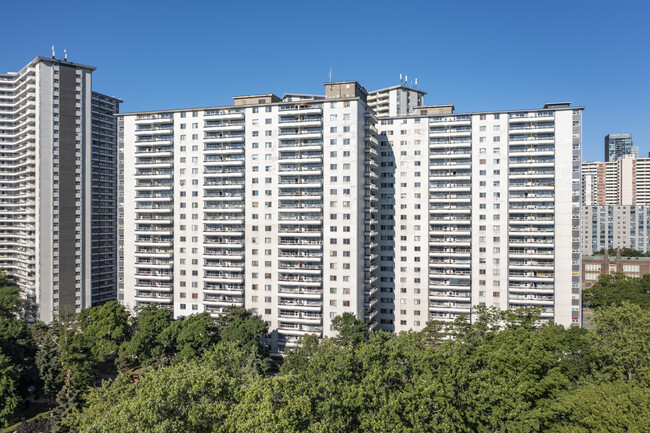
x=58 y=190
x=618 y=145
x=305 y=207
x=615 y=226
x=625 y=182
x=398 y=100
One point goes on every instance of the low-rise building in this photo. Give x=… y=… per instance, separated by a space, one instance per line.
x=595 y=266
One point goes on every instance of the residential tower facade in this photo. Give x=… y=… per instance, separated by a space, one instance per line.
x=305 y=207
x=57 y=148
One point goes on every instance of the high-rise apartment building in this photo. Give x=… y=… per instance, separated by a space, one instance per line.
x=305 y=207
x=625 y=181
x=58 y=156
x=615 y=226
x=616 y=204
x=398 y=100
x=618 y=145
x=502 y=225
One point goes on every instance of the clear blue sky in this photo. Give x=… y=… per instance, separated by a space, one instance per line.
x=478 y=55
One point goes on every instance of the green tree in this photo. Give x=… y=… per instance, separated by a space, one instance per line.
x=615 y=407
x=67 y=409
x=17 y=343
x=75 y=352
x=350 y=330
x=239 y=325
x=269 y=406
x=297 y=359
x=12 y=304
x=48 y=362
x=105 y=328
x=188 y=338
x=621 y=343
x=16 y=340
x=9 y=398
x=193 y=396
x=618 y=288
x=10 y=301
x=145 y=347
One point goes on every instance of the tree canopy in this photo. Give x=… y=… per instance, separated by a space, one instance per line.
x=505 y=372
x=614 y=289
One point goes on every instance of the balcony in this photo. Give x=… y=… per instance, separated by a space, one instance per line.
x=300 y=109
x=227 y=114
x=287 y=328
x=301 y=317
x=232 y=137
x=222 y=126
x=299 y=280
x=301 y=121
x=301 y=134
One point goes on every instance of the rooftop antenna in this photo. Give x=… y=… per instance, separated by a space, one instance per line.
x=406 y=79
x=400 y=79
x=330 y=75
x=65 y=55
x=416 y=83
x=53 y=54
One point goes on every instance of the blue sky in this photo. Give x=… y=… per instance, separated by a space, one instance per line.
x=478 y=55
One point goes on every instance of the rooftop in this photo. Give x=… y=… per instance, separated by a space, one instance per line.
x=399 y=86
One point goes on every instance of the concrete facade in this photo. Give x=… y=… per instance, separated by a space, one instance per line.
x=615 y=226
x=307 y=207
x=48 y=187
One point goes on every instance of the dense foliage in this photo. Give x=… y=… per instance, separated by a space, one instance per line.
x=507 y=372
x=614 y=289
x=503 y=373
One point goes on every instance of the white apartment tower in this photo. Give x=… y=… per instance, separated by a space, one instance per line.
x=58 y=156
x=270 y=203
x=398 y=100
x=304 y=207
x=479 y=209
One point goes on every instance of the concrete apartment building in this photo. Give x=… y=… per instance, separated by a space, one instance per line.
x=308 y=206
x=502 y=224
x=625 y=181
x=58 y=189
x=615 y=226
x=616 y=204
x=398 y=100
